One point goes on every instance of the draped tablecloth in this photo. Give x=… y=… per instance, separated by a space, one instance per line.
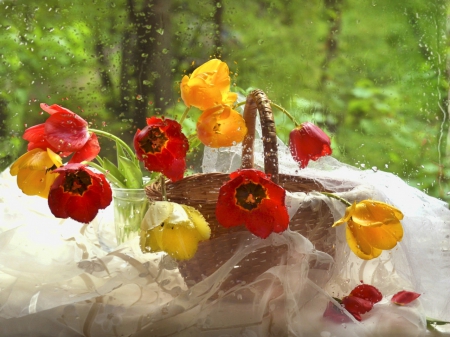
x=57 y=277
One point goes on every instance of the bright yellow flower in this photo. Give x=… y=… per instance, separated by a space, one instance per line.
x=173 y=228
x=221 y=126
x=372 y=227
x=208 y=86
x=33 y=171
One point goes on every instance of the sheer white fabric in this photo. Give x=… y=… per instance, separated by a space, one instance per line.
x=56 y=278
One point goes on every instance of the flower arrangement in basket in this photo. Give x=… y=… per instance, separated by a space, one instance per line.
x=199 y=220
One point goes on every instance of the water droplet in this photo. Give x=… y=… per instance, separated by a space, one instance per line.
x=165 y=51
x=160 y=31
x=218 y=5
x=374 y=169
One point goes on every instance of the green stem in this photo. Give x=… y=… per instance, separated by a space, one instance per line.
x=431 y=322
x=283 y=110
x=184 y=115
x=116 y=139
x=239 y=104
x=334 y=196
x=163 y=188
x=107 y=174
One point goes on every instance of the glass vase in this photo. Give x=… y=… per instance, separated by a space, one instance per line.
x=130 y=206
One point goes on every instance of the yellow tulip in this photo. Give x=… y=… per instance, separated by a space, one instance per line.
x=208 y=86
x=372 y=227
x=33 y=171
x=173 y=228
x=221 y=127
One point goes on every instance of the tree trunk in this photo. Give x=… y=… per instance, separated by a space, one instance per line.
x=218 y=27
x=334 y=17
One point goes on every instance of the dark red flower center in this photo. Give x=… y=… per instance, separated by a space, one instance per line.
x=154 y=142
x=77 y=183
x=250 y=195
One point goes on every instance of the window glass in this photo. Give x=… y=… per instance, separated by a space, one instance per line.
x=373 y=74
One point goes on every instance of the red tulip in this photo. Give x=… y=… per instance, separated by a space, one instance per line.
x=308 y=142
x=78 y=193
x=251 y=199
x=65 y=133
x=162 y=147
x=404 y=297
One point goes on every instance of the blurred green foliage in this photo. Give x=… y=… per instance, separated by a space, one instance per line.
x=373 y=74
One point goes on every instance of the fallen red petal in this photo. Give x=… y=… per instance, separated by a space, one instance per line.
x=404 y=297
x=356 y=306
x=336 y=314
x=367 y=292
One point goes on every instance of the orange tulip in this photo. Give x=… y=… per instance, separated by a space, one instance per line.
x=208 y=86
x=221 y=126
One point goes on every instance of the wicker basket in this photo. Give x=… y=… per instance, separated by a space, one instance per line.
x=201 y=191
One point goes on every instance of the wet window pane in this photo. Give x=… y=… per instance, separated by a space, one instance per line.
x=373 y=74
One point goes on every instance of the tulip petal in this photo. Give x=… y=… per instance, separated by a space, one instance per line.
x=151 y=240
x=375 y=213
x=356 y=306
x=404 y=297
x=83 y=208
x=89 y=151
x=180 y=241
x=221 y=127
x=348 y=214
x=336 y=314
x=359 y=245
x=199 y=222
x=157 y=213
x=58 y=199
x=228 y=214
x=383 y=237
x=66 y=131
x=367 y=292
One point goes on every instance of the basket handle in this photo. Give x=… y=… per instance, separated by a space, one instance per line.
x=257 y=100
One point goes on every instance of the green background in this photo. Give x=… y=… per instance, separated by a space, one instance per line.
x=373 y=74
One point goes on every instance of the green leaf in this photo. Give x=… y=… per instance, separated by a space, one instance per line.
x=129 y=168
x=131 y=172
x=100 y=160
x=113 y=170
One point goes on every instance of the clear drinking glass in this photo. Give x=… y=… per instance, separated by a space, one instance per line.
x=130 y=206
